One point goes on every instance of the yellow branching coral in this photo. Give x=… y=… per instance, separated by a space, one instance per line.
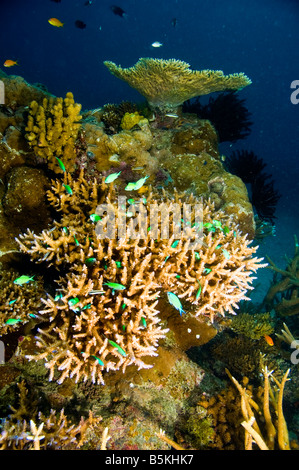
x=52 y=130
x=104 y=316
x=166 y=84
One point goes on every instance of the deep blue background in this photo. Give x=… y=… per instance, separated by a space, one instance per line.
x=257 y=37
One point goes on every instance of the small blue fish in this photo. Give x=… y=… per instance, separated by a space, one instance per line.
x=175 y=302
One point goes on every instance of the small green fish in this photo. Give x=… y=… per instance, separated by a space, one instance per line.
x=225 y=230
x=86 y=307
x=60 y=163
x=90 y=260
x=206 y=271
x=12 y=302
x=68 y=189
x=65 y=230
x=112 y=177
x=117 y=346
x=175 y=243
x=23 y=280
x=175 y=302
x=198 y=292
x=12 y=321
x=131 y=201
x=217 y=224
x=143 y=322
x=114 y=285
x=73 y=302
x=118 y=264
x=76 y=241
x=226 y=254
x=137 y=185
x=94 y=217
x=196 y=255
x=58 y=297
x=98 y=359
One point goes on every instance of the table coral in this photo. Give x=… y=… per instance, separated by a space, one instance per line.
x=166 y=84
x=52 y=129
x=104 y=315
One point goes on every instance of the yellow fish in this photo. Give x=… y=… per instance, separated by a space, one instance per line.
x=55 y=22
x=10 y=63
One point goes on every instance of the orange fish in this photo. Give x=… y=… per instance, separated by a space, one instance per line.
x=55 y=22
x=10 y=63
x=269 y=340
x=142 y=190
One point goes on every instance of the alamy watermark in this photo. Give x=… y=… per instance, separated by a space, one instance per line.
x=295 y=94
x=295 y=354
x=138 y=220
x=2 y=93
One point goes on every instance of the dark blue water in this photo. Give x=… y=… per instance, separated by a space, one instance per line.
x=259 y=38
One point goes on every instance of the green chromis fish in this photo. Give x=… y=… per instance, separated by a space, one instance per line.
x=175 y=302
x=114 y=285
x=23 y=280
x=12 y=321
x=60 y=163
x=112 y=177
x=117 y=346
x=137 y=185
x=68 y=189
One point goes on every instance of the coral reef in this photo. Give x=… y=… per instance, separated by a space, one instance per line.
x=109 y=293
x=227 y=113
x=19 y=302
x=276 y=435
x=84 y=308
x=52 y=432
x=111 y=115
x=254 y=326
x=52 y=129
x=166 y=84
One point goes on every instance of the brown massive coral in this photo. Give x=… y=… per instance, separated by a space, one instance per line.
x=113 y=261
x=166 y=84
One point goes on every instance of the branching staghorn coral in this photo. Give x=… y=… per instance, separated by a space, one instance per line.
x=52 y=432
x=52 y=130
x=166 y=84
x=103 y=316
x=276 y=434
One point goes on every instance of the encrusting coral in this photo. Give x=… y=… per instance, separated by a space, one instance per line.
x=166 y=84
x=52 y=129
x=103 y=316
